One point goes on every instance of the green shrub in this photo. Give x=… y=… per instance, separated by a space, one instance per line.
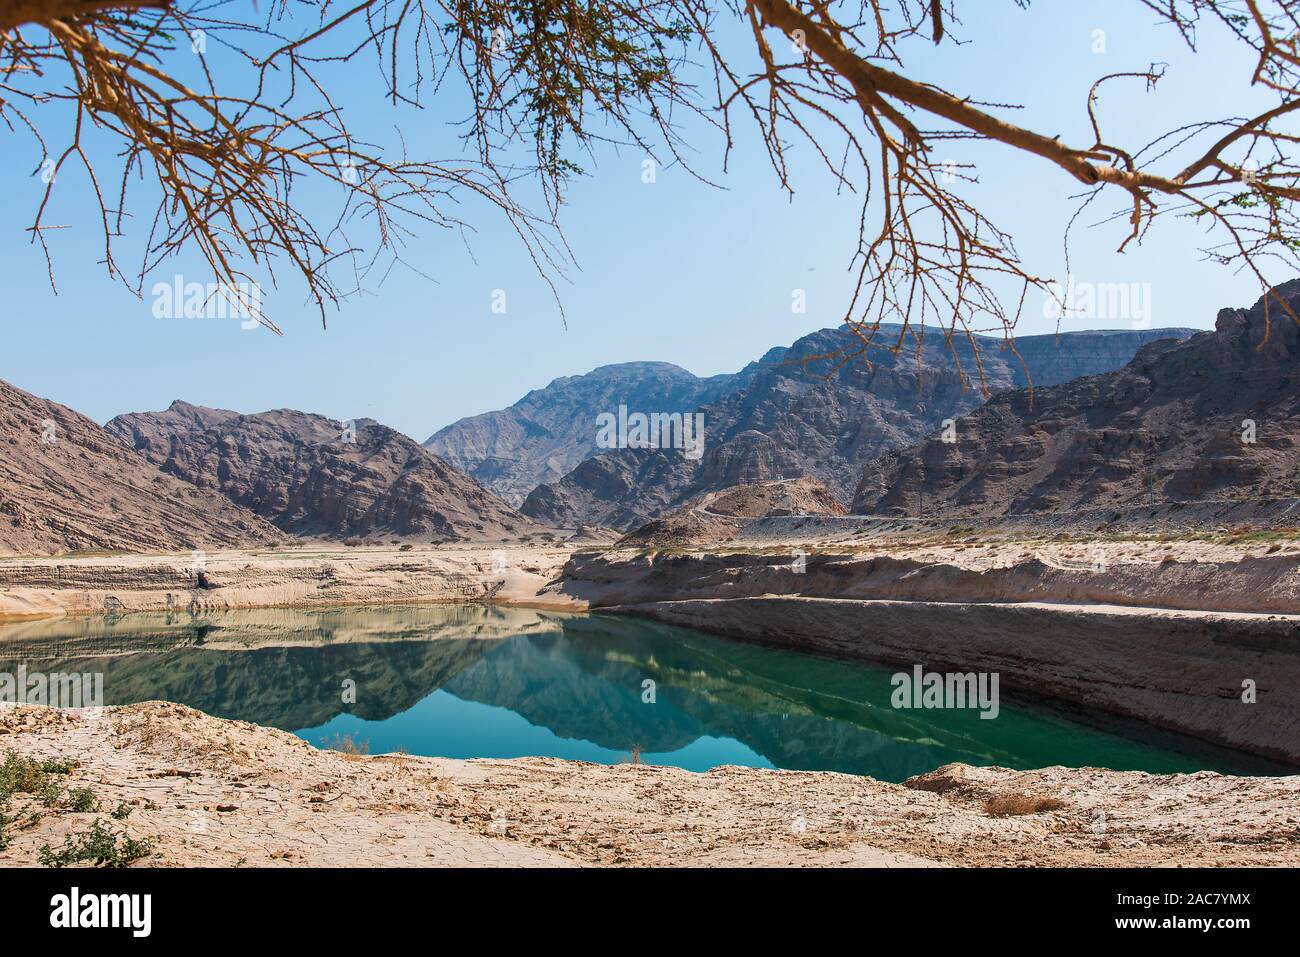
x=5 y=821
x=82 y=800
x=19 y=774
x=41 y=779
x=49 y=791
x=98 y=846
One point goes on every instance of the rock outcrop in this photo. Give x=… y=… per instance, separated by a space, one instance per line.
x=153 y=434
x=67 y=484
x=1213 y=418
x=808 y=412
x=312 y=476
x=716 y=517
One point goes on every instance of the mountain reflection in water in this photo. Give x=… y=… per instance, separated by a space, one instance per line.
x=481 y=681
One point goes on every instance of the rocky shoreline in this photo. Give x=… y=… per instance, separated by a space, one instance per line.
x=201 y=791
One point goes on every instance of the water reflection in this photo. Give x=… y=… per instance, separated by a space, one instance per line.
x=478 y=681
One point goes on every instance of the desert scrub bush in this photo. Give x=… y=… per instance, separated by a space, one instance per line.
x=5 y=821
x=121 y=812
x=18 y=774
x=82 y=800
x=345 y=745
x=1013 y=805
x=98 y=846
x=49 y=791
x=24 y=775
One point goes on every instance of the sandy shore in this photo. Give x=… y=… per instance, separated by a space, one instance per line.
x=204 y=791
x=1221 y=574
x=300 y=577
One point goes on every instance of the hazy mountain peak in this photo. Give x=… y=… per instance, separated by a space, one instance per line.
x=551 y=430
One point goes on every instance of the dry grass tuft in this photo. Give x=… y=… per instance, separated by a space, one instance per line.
x=345 y=745
x=1013 y=805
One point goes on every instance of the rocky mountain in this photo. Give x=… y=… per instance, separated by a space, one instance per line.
x=804 y=412
x=313 y=476
x=152 y=433
x=549 y=431
x=66 y=484
x=1214 y=417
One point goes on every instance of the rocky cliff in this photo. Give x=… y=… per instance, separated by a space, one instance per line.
x=66 y=484
x=313 y=476
x=1212 y=418
x=807 y=412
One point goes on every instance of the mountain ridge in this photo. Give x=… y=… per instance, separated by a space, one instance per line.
x=802 y=413
x=312 y=476
x=68 y=484
x=1170 y=426
x=550 y=430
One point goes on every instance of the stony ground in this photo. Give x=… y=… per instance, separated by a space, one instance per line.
x=205 y=791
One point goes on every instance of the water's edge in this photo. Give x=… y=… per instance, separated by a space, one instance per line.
x=1184 y=675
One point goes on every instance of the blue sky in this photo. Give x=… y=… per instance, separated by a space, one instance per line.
x=675 y=271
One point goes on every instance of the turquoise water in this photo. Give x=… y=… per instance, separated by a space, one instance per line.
x=476 y=681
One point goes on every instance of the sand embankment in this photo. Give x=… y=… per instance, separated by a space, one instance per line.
x=1189 y=575
x=1170 y=518
x=210 y=792
x=303 y=577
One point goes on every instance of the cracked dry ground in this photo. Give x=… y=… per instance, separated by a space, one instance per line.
x=211 y=792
